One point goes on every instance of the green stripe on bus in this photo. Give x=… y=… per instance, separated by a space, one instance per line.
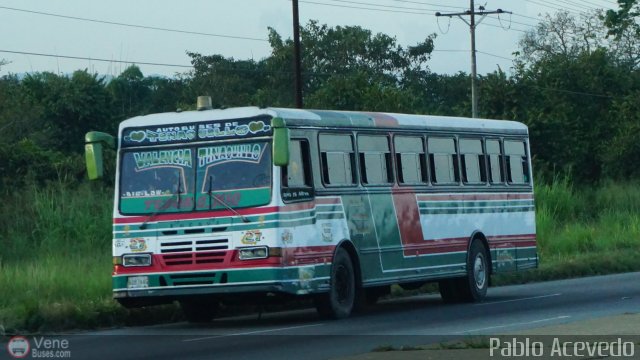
x=230 y=220
x=476 y=210
x=175 y=280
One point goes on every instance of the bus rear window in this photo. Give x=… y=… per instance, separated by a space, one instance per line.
x=517 y=164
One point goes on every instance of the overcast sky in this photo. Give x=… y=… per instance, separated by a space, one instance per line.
x=25 y=28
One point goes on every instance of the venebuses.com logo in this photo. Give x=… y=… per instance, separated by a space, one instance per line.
x=38 y=347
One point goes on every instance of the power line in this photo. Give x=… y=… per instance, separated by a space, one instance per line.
x=366 y=8
x=573 y=6
x=493 y=55
x=380 y=5
x=431 y=4
x=577 y=4
x=527 y=17
x=501 y=27
x=610 y=4
x=551 y=6
x=94 y=59
x=133 y=25
x=572 y=92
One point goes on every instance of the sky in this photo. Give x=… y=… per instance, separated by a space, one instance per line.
x=238 y=29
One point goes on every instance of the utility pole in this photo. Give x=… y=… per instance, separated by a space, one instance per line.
x=296 y=55
x=472 y=26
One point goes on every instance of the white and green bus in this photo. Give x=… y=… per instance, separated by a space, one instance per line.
x=216 y=206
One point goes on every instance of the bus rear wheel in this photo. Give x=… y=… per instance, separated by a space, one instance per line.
x=199 y=310
x=339 y=301
x=473 y=287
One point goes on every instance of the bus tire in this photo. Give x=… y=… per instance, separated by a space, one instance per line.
x=474 y=286
x=339 y=301
x=199 y=310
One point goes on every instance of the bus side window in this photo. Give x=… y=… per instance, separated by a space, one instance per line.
x=410 y=159
x=337 y=159
x=443 y=160
x=517 y=165
x=375 y=160
x=473 y=169
x=494 y=157
x=298 y=172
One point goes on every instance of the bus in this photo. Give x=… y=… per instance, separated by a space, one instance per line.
x=216 y=206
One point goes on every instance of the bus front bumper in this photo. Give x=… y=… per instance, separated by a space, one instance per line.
x=287 y=280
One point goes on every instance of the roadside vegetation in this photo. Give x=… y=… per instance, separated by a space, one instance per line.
x=55 y=270
x=575 y=82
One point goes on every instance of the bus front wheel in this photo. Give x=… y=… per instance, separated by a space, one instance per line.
x=339 y=301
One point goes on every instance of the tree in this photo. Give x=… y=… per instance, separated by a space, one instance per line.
x=130 y=92
x=569 y=77
x=71 y=106
x=229 y=82
x=624 y=19
x=346 y=67
x=624 y=27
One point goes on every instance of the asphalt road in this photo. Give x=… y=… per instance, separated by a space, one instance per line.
x=410 y=321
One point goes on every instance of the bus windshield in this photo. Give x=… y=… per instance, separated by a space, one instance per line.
x=195 y=178
x=238 y=175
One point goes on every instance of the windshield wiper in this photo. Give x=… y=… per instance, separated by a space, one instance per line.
x=218 y=199
x=164 y=206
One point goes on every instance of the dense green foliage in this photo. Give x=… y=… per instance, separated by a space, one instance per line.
x=576 y=86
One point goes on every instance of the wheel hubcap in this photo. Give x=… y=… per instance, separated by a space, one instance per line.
x=479 y=271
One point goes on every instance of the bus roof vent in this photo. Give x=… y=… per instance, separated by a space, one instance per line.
x=204 y=103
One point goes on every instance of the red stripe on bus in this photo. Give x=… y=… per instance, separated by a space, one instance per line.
x=515 y=236
x=307 y=255
x=425 y=197
x=383 y=120
x=408 y=218
x=229 y=260
x=433 y=247
x=436 y=246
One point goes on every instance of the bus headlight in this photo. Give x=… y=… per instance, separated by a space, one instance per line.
x=136 y=260
x=251 y=253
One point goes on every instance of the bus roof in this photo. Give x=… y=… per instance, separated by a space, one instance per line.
x=331 y=119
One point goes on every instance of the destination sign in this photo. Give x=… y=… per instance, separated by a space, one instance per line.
x=193 y=132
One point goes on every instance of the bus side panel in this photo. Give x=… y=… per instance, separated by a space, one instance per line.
x=362 y=233
x=387 y=231
x=506 y=219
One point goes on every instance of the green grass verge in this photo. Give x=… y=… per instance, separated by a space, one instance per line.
x=55 y=251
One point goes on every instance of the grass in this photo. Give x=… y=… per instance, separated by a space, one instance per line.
x=55 y=257
x=55 y=250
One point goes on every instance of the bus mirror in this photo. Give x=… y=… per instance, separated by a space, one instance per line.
x=281 y=146
x=280 y=142
x=94 y=141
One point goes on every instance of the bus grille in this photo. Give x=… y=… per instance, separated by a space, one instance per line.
x=189 y=252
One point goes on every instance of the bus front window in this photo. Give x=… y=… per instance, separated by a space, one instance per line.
x=156 y=181
x=237 y=175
